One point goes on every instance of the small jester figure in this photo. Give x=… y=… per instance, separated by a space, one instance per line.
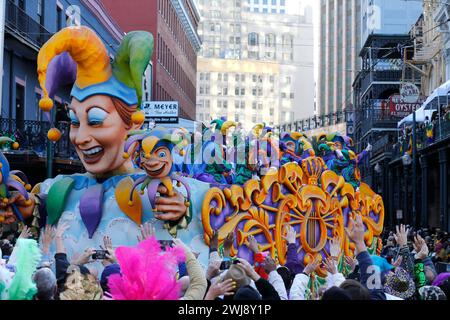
x=156 y=159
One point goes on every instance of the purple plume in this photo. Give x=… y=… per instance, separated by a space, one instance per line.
x=61 y=71
x=91 y=208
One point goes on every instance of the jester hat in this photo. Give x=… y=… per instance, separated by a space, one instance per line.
x=150 y=140
x=77 y=55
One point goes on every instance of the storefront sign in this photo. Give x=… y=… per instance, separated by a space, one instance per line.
x=161 y=111
x=400 y=108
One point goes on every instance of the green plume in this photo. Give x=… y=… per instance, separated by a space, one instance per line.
x=133 y=57
x=28 y=257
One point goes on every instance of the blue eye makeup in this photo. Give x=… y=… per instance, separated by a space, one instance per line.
x=162 y=154
x=73 y=118
x=96 y=116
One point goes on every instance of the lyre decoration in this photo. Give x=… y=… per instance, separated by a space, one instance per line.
x=315 y=201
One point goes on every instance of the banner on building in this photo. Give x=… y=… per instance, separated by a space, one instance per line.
x=398 y=107
x=161 y=112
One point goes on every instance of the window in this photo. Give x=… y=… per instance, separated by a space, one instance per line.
x=207 y=104
x=225 y=104
x=219 y=77
x=283 y=95
x=272 y=111
x=254 y=104
x=243 y=77
x=274 y=2
x=282 y=11
x=242 y=91
x=254 y=92
x=207 y=76
x=253 y=39
x=265 y=10
x=254 y=118
x=236 y=77
x=270 y=40
x=265 y=2
x=253 y=55
x=288 y=41
x=225 y=77
x=274 y=10
x=212 y=27
x=254 y=78
x=202 y=76
x=292 y=95
x=288 y=80
x=59 y=18
x=260 y=106
x=282 y=3
x=272 y=79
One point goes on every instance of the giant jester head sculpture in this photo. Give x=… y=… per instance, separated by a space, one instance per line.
x=105 y=95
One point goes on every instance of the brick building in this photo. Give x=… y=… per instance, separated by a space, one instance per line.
x=173 y=24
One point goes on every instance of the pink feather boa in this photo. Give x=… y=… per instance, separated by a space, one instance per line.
x=147 y=272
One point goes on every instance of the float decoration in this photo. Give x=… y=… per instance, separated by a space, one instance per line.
x=154 y=151
x=77 y=55
x=11 y=179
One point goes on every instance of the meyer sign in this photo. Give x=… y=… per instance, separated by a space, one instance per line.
x=400 y=108
x=161 y=111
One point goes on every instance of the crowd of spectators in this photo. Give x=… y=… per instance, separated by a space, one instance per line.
x=412 y=265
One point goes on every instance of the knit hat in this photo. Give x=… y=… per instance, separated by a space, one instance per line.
x=432 y=293
x=335 y=293
x=237 y=273
x=247 y=293
x=399 y=284
x=109 y=270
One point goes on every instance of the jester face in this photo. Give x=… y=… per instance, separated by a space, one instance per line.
x=290 y=145
x=157 y=163
x=97 y=132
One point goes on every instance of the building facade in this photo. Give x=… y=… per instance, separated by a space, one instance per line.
x=28 y=25
x=338 y=58
x=173 y=24
x=388 y=17
x=254 y=66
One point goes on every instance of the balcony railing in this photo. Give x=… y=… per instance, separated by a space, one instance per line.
x=32 y=136
x=24 y=26
x=440 y=132
x=316 y=122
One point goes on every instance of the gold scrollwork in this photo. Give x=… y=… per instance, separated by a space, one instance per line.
x=315 y=199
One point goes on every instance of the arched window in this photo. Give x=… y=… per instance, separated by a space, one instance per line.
x=270 y=40
x=253 y=39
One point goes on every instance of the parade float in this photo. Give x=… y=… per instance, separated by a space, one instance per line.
x=255 y=183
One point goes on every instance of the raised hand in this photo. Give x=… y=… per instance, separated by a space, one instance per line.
x=401 y=237
x=311 y=266
x=351 y=262
x=253 y=244
x=291 y=235
x=356 y=234
x=60 y=229
x=249 y=270
x=269 y=264
x=26 y=233
x=418 y=242
x=47 y=238
x=85 y=257
x=147 y=231
x=213 y=269
x=225 y=288
x=110 y=254
x=330 y=266
x=335 y=247
x=227 y=244
x=214 y=242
